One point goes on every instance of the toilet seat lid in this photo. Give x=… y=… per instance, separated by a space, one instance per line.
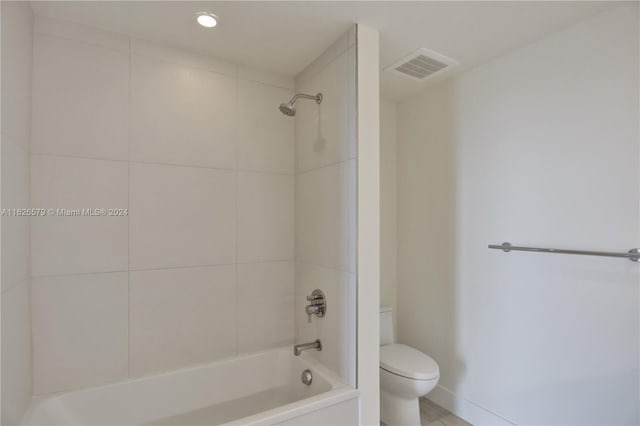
x=408 y=362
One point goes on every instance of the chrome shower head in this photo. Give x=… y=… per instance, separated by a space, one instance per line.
x=290 y=109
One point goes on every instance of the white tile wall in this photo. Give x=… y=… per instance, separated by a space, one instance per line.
x=325 y=216
x=181 y=216
x=15 y=230
x=265 y=217
x=182 y=115
x=79 y=330
x=266 y=78
x=181 y=316
x=16 y=353
x=15 y=251
x=16 y=59
x=337 y=328
x=70 y=245
x=320 y=64
x=265 y=305
x=17 y=54
x=183 y=58
x=325 y=133
x=80 y=99
x=79 y=32
x=325 y=205
x=266 y=136
x=198 y=152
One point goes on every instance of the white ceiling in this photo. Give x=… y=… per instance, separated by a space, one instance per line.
x=284 y=37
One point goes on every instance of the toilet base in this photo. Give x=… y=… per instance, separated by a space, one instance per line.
x=396 y=411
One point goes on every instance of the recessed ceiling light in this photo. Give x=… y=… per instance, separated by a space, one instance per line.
x=208 y=20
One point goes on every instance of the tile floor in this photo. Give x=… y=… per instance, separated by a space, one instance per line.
x=431 y=414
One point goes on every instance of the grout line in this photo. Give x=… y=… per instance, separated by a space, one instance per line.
x=77 y=157
x=259 y=262
x=129 y=219
x=32 y=326
x=169 y=268
x=335 y=163
x=317 y=265
x=270 y=85
x=120 y=271
x=296 y=291
x=267 y=172
x=237 y=190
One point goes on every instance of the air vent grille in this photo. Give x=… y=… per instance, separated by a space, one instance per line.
x=420 y=64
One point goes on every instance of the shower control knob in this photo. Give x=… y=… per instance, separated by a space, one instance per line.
x=317 y=305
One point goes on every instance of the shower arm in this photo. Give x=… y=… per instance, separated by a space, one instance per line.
x=317 y=98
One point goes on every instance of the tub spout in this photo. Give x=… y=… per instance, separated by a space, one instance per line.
x=297 y=349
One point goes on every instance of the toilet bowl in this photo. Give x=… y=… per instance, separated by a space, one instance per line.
x=406 y=374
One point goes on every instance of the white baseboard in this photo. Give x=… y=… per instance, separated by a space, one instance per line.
x=465 y=409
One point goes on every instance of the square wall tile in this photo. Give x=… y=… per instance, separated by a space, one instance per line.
x=265 y=305
x=16 y=354
x=326 y=133
x=181 y=216
x=337 y=329
x=80 y=99
x=265 y=217
x=265 y=135
x=182 y=115
x=325 y=216
x=15 y=229
x=80 y=330
x=78 y=244
x=181 y=317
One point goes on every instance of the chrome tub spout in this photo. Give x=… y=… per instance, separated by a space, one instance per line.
x=297 y=349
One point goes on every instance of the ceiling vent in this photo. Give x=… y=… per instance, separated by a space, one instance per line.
x=420 y=65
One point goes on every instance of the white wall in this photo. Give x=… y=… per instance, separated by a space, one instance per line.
x=388 y=206
x=368 y=223
x=17 y=43
x=539 y=147
x=326 y=204
x=196 y=149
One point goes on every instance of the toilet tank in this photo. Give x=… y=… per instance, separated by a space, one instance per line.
x=386 y=326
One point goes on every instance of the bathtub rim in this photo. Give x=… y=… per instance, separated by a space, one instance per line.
x=299 y=408
x=339 y=390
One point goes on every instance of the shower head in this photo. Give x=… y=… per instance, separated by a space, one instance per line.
x=289 y=107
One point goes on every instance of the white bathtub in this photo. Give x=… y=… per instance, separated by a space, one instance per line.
x=263 y=388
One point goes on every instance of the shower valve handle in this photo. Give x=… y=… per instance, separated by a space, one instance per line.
x=317 y=305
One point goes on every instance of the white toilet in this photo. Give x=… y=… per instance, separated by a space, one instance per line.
x=406 y=374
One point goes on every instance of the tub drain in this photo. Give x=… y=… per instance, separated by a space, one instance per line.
x=307 y=377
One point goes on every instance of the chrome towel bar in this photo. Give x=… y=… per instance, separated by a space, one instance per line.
x=633 y=254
